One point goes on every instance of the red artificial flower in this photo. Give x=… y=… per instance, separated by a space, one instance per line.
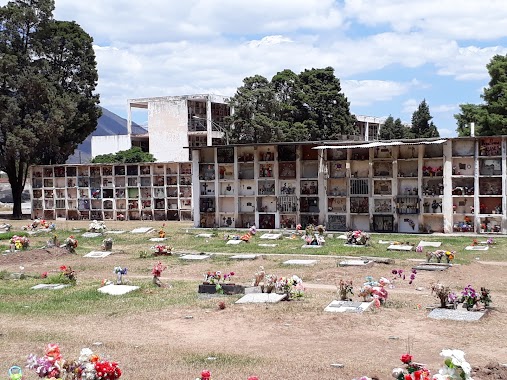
x=408 y=377
x=63 y=267
x=44 y=275
x=406 y=358
x=205 y=375
x=253 y=378
x=417 y=375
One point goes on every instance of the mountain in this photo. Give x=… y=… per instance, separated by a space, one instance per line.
x=108 y=124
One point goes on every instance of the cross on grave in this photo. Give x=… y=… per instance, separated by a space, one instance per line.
x=205 y=186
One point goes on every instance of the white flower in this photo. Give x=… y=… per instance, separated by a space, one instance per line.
x=397 y=372
x=85 y=355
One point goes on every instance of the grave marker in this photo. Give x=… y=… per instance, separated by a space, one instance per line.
x=356 y=263
x=431 y=267
x=98 y=254
x=234 y=242
x=204 y=235
x=347 y=307
x=435 y=244
x=141 y=230
x=49 y=286
x=244 y=257
x=456 y=315
x=311 y=246
x=271 y=236
x=300 y=262
x=91 y=234
x=399 y=247
x=267 y=245
x=115 y=232
x=158 y=239
x=194 y=257
x=477 y=247
x=117 y=290
x=261 y=298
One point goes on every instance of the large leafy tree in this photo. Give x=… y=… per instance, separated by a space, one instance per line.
x=422 y=126
x=47 y=81
x=393 y=130
x=132 y=155
x=491 y=116
x=305 y=107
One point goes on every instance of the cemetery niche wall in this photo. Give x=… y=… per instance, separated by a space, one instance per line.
x=412 y=186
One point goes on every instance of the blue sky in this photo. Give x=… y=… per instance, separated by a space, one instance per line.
x=388 y=54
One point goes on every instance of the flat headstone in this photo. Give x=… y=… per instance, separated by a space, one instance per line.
x=271 y=236
x=300 y=262
x=435 y=244
x=117 y=290
x=115 y=232
x=385 y=242
x=347 y=307
x=267 y=245
x=33 y=232
x=355 y=245
x=477 y=247
x=344 y=237
x=234 y=242
x=49 y=286
x=244 y=257
x=456 y=315
x=356 y=263
x=158 y=239
x=98 y=254
x=141 y=230
x=204 y=235
x=91 y=234
x=437 y=264
x=399 y=247
x=430 y=267
x=194 y=257
x=306 y=246
x=261 y=298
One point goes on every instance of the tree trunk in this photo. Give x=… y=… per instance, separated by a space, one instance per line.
x=17 y=212
x=17 y=173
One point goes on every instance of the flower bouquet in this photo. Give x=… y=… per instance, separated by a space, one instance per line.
x=161 y=232
x=119 y=272
x=455 y=366
x=70 y=244
x=161 y=249
x=439 y=254
x=358 y=238
x=344 y=289
x=107 y=244
x=88 y=366
x=97 y=226
x=291 y=286
x=218 y=280
x=20 y=242
x=445 y=295
x=157 y=272
x=416 y=371
x=471 y=298
x=374 y=290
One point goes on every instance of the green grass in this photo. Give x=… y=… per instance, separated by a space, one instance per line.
x=219 y=359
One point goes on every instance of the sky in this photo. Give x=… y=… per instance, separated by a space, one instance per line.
x=388 y=54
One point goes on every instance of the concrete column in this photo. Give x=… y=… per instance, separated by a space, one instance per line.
x=196 y=187
x=447 y=203
x=209 y=124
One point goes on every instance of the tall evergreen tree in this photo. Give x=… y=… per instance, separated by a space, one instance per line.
x=47 y=81
x=422 y=126
x=400 y=130
x=387 y=131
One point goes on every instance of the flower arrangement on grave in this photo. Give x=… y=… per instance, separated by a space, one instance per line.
x=218 y=279
x=439 y=254
x=374 y=290
x=107 y=244
x=161 y=232
x=455 y=366
x=20 y=242
x=259 y=276
x=400 y=274
x=291 y=286
x=358 y=237
x=490 y=241
x=269 y=283
x=412 y=370
x=345 y=289
x=472 y=299
x=66 y=275
x=119 y=272
x=88 y=366
x=252 y=230
x=157 y=272
x=97 y=226
x=70 y=244
x=444 y=294
x=120 y=217
x=205 y=375
x=161 y=249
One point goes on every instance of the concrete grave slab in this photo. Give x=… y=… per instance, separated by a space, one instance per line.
x=399 y=247
x=271 y=236
x=234 y=242
x=456 y=315
x=355 y=245
x=204 y=235
x=117 y=290
x=261 y=298
x=194 y=257
x=158 y=239
x=267 y=245
x=141 y=230
x=344 y=237
x=49 y=286
x=356 y=263
x=435 y=244
x=98 y=254
x=385 y=242
x=347 y=307
x=118 y=232
x=430 y=267
x=33 y=232
x=300 y=262
x=91 y=234
x=477 y=247
x=309 y=246
x=244 y=257
x=253 y=289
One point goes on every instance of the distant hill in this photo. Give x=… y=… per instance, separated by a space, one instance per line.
x=108 y=124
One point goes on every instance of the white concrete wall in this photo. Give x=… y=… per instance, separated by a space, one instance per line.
x=168 y=126
x=110 y=144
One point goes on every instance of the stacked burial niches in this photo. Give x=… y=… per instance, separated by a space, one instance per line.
x=440 y=185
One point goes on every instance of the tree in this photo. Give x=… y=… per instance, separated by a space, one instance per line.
x=422 y=126
x=401 y=131
x=291 y=107
x=491 y=117
x=47 y=81
x=132 y=155
x=387 y=131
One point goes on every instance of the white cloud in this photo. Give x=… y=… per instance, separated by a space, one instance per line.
x=444 y=108
x=366 y=92
x=409 y=106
